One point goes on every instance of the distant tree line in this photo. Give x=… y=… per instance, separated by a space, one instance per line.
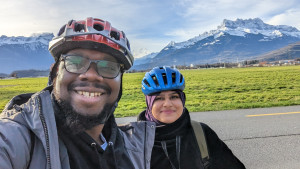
x=26 y=73
x=250 y=62
x=212 y=65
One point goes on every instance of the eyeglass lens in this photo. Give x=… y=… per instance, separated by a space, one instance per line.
x=79 y=64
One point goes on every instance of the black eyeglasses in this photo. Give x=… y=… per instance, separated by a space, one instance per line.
x=79 y=64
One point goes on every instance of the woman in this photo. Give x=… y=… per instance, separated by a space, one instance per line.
x=176 y=146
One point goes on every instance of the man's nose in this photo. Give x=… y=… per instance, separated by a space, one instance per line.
x=92 y=73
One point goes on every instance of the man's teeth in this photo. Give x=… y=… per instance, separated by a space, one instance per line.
x=89 y=94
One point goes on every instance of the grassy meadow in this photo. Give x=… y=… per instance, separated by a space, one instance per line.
x=206 y=89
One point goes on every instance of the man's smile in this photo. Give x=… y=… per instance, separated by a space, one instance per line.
x=89 y=94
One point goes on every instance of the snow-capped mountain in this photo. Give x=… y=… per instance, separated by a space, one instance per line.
x=242 y=27
x=21 y=53
x=140 y=53
x=231 y=41
x=143 y=59
x=42 y=38
x=255 y=26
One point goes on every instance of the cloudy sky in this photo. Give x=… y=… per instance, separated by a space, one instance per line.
x=149 y=24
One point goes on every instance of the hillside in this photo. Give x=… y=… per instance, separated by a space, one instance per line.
x=291 y=51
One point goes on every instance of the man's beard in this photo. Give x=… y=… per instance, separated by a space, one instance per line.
x=76 y=122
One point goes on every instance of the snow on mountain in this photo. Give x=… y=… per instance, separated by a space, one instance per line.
x=141 y=52
x=243 y=39
x=24 y=53
x=140 y=60
x=151 y=55
x=187 y=43
x=241 y=27
x=32 y=41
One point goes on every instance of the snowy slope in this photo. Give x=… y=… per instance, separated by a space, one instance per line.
x=240 y=39
x=23 y=53
x=241 y=27
x=43 y=38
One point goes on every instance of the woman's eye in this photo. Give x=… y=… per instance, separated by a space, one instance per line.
x=174 y=97
x=158 y=98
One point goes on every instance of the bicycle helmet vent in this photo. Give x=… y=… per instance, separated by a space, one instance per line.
x=162 y=79
x=95 y=34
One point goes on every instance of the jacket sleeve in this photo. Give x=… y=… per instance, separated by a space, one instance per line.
x=221 y=157
x=139 y=139
x=14 y=145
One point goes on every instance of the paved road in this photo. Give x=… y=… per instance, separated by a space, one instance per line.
x=263 y=138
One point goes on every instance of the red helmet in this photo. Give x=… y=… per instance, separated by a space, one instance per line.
x=92 y=33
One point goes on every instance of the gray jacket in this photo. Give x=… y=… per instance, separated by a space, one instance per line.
x=30 y=117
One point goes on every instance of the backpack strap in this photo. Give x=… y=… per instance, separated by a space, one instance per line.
x=199 y=133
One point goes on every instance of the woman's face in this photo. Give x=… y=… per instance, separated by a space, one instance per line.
x=167 y=107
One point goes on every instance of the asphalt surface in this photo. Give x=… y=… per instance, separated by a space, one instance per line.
x=262 y=138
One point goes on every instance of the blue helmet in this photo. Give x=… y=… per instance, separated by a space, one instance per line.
x=162 y=79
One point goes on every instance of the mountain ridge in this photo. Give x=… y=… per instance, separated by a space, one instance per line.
x=42 y=38
x=242 y=39
x=21 y=53
x=232 y=40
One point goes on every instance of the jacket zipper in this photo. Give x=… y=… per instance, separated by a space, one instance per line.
x=45 y=131
x=94 y=146
x=111 y=144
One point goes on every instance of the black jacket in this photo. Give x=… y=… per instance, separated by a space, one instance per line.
x=85 y=153
x=189 y=154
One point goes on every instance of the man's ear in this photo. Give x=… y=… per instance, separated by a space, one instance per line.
x=53 y=73
x=51 y=66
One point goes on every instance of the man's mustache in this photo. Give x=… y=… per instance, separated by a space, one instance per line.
x=106 y=88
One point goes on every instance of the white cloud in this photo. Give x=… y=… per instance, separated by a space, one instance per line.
x=289 y=17
x=152 y=45
x=201 y=15
x=149 y=24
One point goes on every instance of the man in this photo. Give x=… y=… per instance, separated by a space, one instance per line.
x=70 y=124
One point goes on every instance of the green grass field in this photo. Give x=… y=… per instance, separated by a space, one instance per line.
x=206 y=89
